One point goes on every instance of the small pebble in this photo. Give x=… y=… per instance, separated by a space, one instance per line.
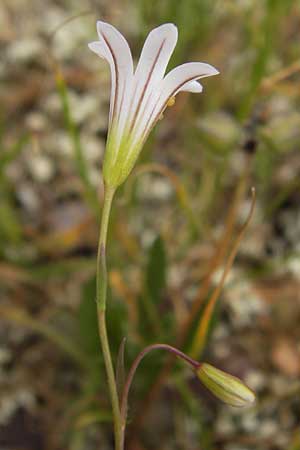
x=36 y=121
x=267 y=428
x=5 y=355
x=250 y=422
x=28 y=196
x=255 y=379
x=25 y=50
x=154 y=188
x=41 y=168
x=11 y=401
x=225 y=426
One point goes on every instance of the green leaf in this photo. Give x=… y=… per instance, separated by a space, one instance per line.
x=154 y=323
x=156 y=270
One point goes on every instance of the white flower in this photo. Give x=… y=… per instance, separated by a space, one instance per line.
x=138 y=97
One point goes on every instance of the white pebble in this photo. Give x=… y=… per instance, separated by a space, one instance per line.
x=41 y=168
x=24 y=50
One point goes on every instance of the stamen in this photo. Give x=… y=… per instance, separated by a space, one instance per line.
x=171 y=101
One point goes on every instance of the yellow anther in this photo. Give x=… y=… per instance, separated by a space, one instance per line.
x=171 y=101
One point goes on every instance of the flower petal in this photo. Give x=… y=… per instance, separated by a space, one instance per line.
x=182 y=78
x=156 y=53
x=192 y=86
x=113 y=47
x=151 y=68
x=178 y=79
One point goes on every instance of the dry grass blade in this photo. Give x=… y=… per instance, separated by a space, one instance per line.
x=216 y=260
x=269 y=83
x=122 y=290
x=11 y=275
x=127 y=240
x=203 y=326
x=200 y=296
x=68 y=20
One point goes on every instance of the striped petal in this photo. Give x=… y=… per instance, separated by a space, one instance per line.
x=192 y=86
x=113 y=47
x=151 y=68
x=138 y=98
x=182 y=78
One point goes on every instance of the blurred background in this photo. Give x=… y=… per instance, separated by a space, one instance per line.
x=174 y=224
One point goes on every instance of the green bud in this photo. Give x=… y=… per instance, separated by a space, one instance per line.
x=227 y=388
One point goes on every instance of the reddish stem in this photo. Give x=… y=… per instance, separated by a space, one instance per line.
x=135 y=364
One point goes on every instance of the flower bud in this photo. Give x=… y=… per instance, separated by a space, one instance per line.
x=227 y=388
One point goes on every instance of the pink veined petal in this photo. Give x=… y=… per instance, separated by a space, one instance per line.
x=100 y=50
x=113 y=47
x=155 y=56
x=192 y=86
x=182 y=78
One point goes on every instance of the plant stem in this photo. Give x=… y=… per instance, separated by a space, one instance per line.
x=101 y=293
x=135 y=364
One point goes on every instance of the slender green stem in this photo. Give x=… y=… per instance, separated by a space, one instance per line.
x=101 y=256
x=101 y=306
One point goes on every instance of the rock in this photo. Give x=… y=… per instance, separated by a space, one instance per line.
x=41 y=168
x=286 y=357
x=24 y=50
